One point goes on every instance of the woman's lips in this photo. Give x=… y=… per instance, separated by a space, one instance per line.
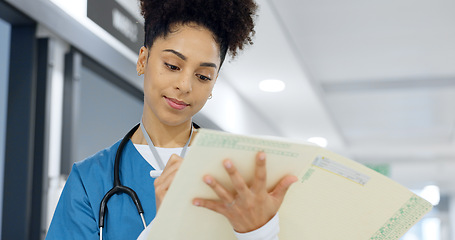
x=176 y=104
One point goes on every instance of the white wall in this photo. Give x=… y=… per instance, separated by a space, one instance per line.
x=233 y=114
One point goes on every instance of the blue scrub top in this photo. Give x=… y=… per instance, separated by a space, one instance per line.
x=77 y=212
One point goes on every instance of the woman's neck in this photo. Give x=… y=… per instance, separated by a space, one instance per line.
x=163 y=135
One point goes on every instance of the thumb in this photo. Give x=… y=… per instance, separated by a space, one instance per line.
x=282 y=187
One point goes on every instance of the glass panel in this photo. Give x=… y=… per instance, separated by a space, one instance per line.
x=106 y=113
x=5 y=32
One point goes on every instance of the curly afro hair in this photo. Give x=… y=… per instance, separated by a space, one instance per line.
x=231 y=21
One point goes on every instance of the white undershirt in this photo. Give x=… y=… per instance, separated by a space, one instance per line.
x=165 y=154
x=267 y=232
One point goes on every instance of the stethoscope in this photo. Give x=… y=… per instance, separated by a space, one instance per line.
x=118 y=188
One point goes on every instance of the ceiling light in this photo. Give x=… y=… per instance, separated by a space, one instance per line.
x=431 y=194
x=322 y=142
x=272 y=85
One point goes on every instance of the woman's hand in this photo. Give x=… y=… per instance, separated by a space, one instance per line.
x=163 y=182
x=249 y=207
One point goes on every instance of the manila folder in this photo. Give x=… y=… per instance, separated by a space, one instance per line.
x=335 y=198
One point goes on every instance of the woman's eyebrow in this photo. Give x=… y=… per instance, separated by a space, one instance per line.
x=176 y=53
x=183 y=57
x=208 y=64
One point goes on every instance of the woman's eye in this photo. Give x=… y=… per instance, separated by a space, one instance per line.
x=203 y=78
x=172 y=67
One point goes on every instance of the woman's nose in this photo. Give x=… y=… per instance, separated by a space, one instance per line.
x=184 y=83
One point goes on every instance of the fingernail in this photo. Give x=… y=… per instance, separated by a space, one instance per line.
x=208 y=180
x=295 y=179
x=262 y=156
x=197 y=203
x=228 y=164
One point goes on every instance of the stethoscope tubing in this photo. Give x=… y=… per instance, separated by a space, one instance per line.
x=118 y=187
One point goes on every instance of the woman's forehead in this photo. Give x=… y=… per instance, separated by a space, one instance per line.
x=192 y=40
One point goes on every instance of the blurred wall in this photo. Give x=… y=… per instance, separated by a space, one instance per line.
x=5 y=30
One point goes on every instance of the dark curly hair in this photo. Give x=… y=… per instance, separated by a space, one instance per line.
x=231 y=21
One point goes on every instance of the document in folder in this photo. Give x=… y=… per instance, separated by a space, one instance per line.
x=334 y=199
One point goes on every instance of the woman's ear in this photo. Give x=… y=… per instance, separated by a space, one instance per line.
x=141 y=61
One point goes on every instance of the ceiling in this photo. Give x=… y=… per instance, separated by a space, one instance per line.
x=376 y=78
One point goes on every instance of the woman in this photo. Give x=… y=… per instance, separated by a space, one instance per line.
x=185 y=45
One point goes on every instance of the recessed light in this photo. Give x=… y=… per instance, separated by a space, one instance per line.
x=272 y=85
x=431 y=194
x=318 y=141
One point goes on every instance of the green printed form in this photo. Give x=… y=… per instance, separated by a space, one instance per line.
x=217 y=140
x=336 y=198
x=403 y=219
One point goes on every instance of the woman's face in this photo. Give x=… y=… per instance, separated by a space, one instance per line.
x=180 y=71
